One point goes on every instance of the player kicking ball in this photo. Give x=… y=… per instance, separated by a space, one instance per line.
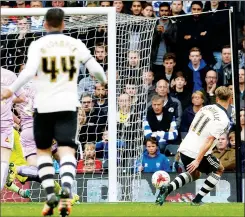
x=55 y=59
x=195 y=150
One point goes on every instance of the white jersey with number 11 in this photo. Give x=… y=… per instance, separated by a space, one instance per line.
x=211 y=120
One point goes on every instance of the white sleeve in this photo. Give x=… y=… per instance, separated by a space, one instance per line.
x=218 y=128
x=30 y=69
x=94 y=68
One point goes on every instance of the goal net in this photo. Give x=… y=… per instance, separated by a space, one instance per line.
x=133 y=48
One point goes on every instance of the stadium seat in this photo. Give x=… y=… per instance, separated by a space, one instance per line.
x=171 y=150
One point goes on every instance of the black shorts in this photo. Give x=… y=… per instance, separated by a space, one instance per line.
x=208 y=164
x=61 y=126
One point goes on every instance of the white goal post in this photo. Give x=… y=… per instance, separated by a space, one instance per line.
x=111 y=17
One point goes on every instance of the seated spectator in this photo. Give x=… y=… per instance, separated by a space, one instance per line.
x=58 y=4
x=102 y=146
x=91 y=4
x=225 y=71
x=190 y=112
x=95 y=123
x=177 y=8
x=147 y=10
x=119 y=6
x=241 y=54
x=160 y=123
x=242 y=87
x=101 y=100
x=225 y=154
x=153 y=160
x=132 y=90
x=7 y=26
x=179 y=90
x=124 y=104
x=136 y=8
x=148 y=78
x=133 y=59
x=232 y=139
x=86 y=85
x=81 y=117
x=100 y=53
x=89 y=164
x=196 y=70
x=242 y=122
x=36 y=21
x=172 y=106
x=21 y=4
x=178 y=166
x=105 y=3
x=210 y=87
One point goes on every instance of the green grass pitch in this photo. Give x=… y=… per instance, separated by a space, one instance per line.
x=129 y=209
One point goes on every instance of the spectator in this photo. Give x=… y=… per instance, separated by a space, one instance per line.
x=101 y=100
x=193 y=32
x=136 y=8
x=190 y=112
x=225 y=154
x=232 y=139
x=152 y=159
x=133 y=61
x=225 y=72
x=218 y=29
x=91 y=4
x=21 y=4
x=147 y=10
x=172 y=106
x=132 y=90
x=36 y=21
x=164 y=38
x=242 y=122
x=179 y=90
x=7 y=26
x=102 y=146
x=86 y=85
x=177 y=8
x=169 y=62
x=210 y=87
x=119 y=6
x=96 y=120
x=242 y=87
x=196 y=70
x=90 y=164
x=124 y=104
x=105 y=4
x=58 y=4
x=241 y=54
x=160 y=124
x=148 y=77
x=178 y=165
x=81 y=117
x=100 y=53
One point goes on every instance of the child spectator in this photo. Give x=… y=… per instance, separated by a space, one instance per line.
x=225 y=154
x=147 y=10
x=180 y=91
x=90 y=163
x=102 y=146
x=232 y=139
x=153 y=160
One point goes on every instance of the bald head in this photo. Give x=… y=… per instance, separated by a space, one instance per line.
x=211 y=78
x=162 y=88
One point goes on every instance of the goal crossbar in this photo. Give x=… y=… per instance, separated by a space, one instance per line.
x=112 y=133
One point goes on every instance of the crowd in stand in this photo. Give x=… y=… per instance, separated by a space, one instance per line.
x=190 y=58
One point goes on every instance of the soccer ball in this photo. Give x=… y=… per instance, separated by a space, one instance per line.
x=160 y=178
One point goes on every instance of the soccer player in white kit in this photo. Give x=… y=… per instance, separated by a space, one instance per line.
x=55 y=59
x=196 y=149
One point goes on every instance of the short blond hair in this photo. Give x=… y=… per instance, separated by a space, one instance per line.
x=89 y=145
x=223 y=93
x=198 y=92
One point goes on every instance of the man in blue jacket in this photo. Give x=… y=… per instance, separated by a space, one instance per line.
x=152 y=159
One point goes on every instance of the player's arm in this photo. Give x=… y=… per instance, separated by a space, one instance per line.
x=30 y=69
x=94 y=68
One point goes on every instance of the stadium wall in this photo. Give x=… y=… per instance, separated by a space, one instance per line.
x=94 y=188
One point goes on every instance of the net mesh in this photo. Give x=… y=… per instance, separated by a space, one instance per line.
x=133 y=47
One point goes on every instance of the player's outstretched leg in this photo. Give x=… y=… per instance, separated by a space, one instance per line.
x=46 y=173
x=14 y=188
x=208 y=186
x=178 y=182
x=67 y=173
